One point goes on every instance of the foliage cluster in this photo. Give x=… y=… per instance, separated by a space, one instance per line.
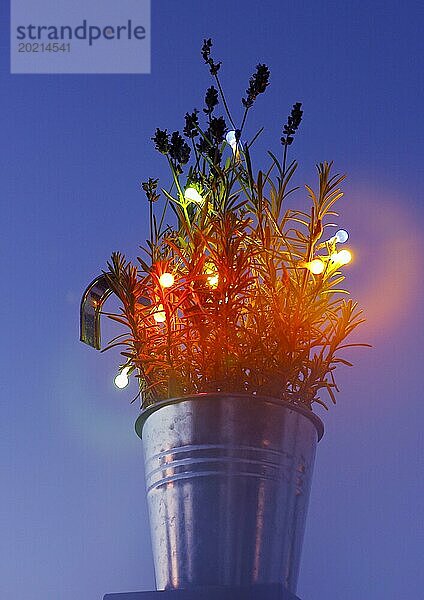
x=243 y=311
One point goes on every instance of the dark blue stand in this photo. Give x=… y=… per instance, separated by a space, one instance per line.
x=253 y=592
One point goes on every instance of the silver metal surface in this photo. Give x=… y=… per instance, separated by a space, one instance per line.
x=228 y=480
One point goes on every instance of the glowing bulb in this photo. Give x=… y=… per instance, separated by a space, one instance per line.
x=122 y=380
x=316 y=266
x=166 y=280
x=231 y=139
x=344 y=257
x=213 y=280
x=341 y=236
x=159 y=315
x=192 y=195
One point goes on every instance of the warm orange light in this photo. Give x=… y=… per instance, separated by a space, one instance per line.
x=166 y=280
x=316 y=266
x=159 y=315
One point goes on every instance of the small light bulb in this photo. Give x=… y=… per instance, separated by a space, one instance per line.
x=159 y=315
x=122 y=380
x=231 y=139
x=213 y=280
x=341 y=236
x=316 y=266
x=344 y=257
x=192 y=195
x=166 y=280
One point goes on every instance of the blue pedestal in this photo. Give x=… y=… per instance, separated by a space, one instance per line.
x=254 y=592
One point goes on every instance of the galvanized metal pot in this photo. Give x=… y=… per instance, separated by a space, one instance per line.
x=228 y=480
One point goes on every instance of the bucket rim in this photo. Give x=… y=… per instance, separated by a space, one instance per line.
x=149 y=410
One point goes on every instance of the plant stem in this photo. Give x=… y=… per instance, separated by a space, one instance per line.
x=227 y=110
x=244 y=119
x=151 y=226
x=285 y=159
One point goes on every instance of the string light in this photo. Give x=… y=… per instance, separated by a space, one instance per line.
x=341 y=236
x=166 y=280
x=316 y=266
x=213 y=278
x=122 y=380
x=342 y=258
x=231 y=139
x=159 y=315
x=192 y=195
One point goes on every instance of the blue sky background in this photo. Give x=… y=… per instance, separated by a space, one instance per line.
x=73 y=152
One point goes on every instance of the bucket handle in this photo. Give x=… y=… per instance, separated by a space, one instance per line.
x=96 y=294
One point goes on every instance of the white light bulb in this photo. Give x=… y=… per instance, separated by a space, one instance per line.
x=166 y=280
x=231 y=139
x=341 y=236
x=213 y=278
x=192 y=195
x=341 y=258
x=159 y=315
x=344 y=257
x=122 y=380
x=316 y=266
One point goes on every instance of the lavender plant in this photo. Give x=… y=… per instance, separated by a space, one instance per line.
x=238 y=293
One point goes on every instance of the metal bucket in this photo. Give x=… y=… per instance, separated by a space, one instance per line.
x=228 y=480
